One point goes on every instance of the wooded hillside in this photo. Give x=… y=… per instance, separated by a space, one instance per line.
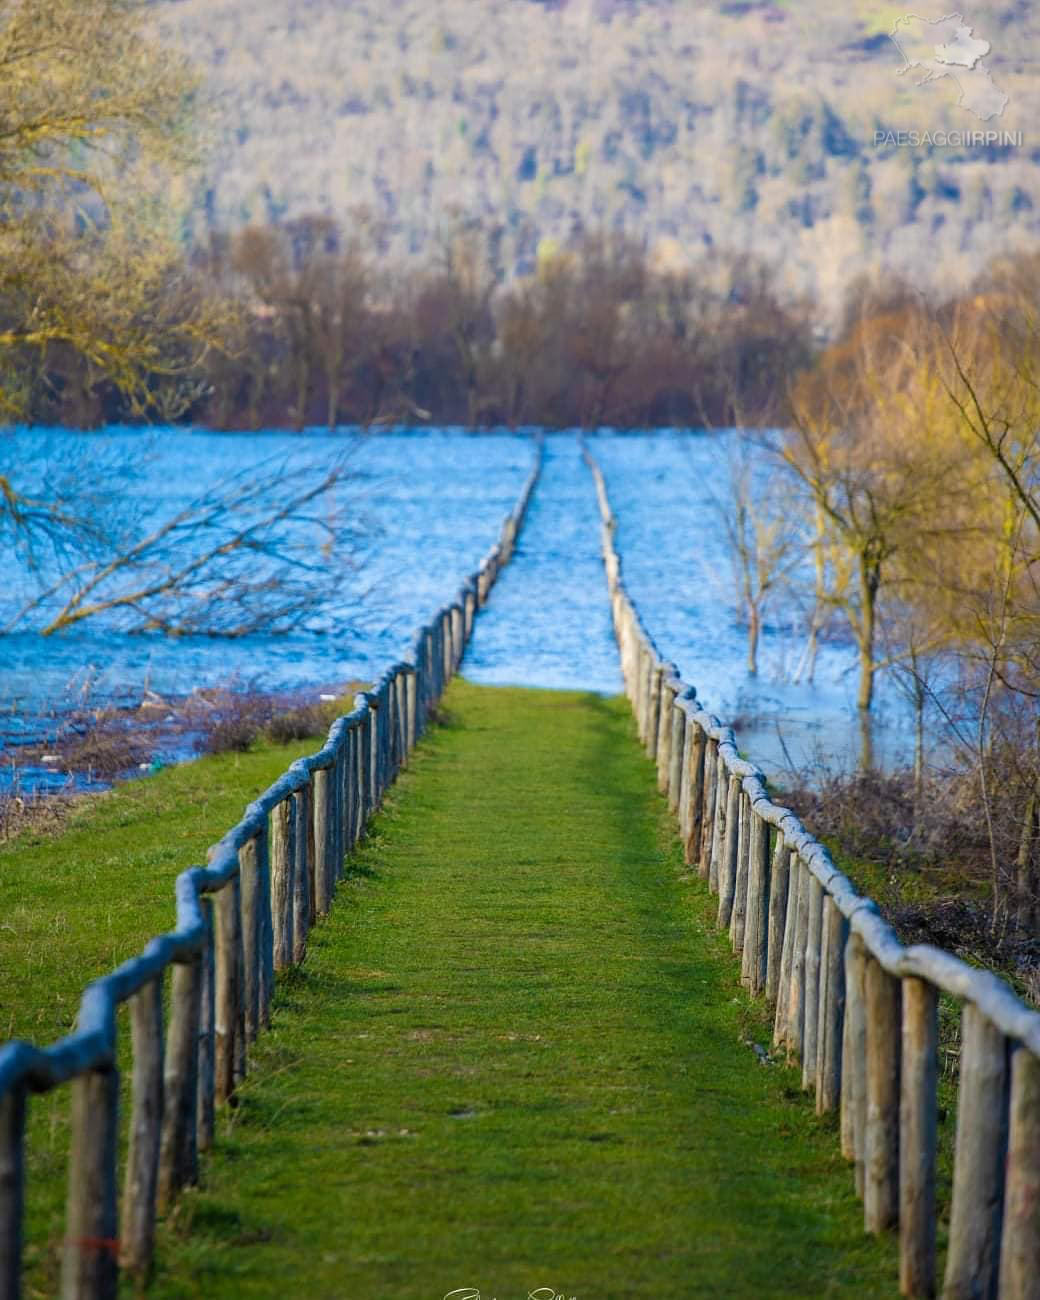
x=740 y=126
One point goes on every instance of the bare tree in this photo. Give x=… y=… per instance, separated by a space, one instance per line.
x=252 y=553
x=762 y=530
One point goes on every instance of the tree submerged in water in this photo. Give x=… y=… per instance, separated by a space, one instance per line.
x=250 y=554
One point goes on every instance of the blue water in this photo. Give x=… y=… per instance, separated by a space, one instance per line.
x=669 y=491
x=548 y=622
x=423 y=507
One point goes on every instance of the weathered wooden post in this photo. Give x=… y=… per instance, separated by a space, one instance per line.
x=178 y=1151
x=303 y=868
x=796 y=1006
x=141 y=1184
x=1020 y=1241
x=207 y=1035
x=918 y=1120
x=738 y=913
x=263 y=844
x=779 y=884
x=374 y=727
x=323 y=785
x=283 y=853
x=642 y=684
x=339 y=777
x=12 y=1189
x=653 y=709
x=663 y=745
x=832 y=1009
x=854 y=1060
x=781 y=1028
x=676 y=750
x=412 y=709
x=446 y=644
x=227 y=947
x=90 y=1259
x=978 y=1169
x=754 y=959
x=881 y=1148
x=695 y=799
x=362 y=746
x=713 y=819
x=728 y=866
x=458 y=631
x=813 y=944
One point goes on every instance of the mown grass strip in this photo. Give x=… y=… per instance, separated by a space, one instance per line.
x=518 y=1057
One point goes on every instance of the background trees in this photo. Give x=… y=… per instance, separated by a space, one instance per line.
x=92 y=115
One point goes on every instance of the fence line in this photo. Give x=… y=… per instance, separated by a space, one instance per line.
x=854 y=1007
x=239 y=921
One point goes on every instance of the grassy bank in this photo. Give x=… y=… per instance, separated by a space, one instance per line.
x=518 y=1057
x=77 y=903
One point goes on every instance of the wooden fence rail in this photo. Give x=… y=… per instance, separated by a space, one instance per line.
x=854 y=1008
x=239 y=921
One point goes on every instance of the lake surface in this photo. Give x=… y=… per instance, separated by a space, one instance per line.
x=426 y=506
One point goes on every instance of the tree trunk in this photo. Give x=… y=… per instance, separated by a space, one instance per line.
x=754 y=628
x=869 y=581
x=1025 y=868
x=919 y=703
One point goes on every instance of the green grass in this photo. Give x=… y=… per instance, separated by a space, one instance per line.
x=518 y=1057
x=76 y=904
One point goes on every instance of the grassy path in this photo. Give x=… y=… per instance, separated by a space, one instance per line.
x=514 y=1060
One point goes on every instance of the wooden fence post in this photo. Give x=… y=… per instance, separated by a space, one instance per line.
x=12 y=1189
x=811 y=1013
x=676 y=752
x=283 y=853
x=303 y=869
x=796 y=1007
x=695 y=799
x=266 y=932
x=738 y=913
x=178 y=1152
x=754 y=960
x=918 y=1138
x=412 y=706
x=730 y=829
x=227 y=945
x=783 y=994
x=714 y=817
x=978 y=1167
x=832 y=1010
x=375 y=723
x=653 y=708
x=663 y=747
x=207 y=1035
x=643 y=669
x=323 y=781
x=90 y=1259
x=779 y=885
x=141 y=1184
x=854 y=1061
x=1020 y=1242
x=881 y=1151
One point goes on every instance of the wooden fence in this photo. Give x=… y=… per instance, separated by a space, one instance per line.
x=240 y=920
x=854 y=1007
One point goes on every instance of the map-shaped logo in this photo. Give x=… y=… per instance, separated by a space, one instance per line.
x=948 y=47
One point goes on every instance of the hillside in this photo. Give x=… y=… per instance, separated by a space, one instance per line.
x=740 y=126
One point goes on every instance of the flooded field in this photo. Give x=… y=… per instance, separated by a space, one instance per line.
x=424 y=506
